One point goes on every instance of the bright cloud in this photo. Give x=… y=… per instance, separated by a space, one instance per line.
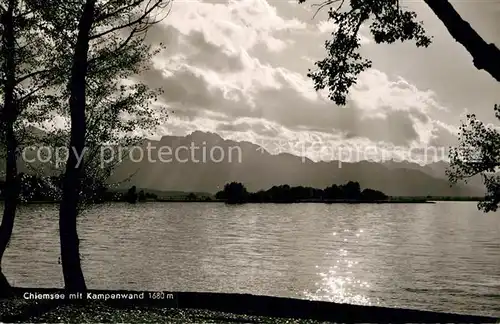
x=233 y=25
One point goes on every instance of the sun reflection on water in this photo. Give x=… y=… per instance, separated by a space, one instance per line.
x=338 y=282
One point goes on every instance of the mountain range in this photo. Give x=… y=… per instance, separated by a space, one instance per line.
x=258 y=169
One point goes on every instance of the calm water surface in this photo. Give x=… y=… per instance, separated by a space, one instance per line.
x=443 y=256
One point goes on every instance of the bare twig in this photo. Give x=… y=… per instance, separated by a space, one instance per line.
x=142 y=19
x=324 y=4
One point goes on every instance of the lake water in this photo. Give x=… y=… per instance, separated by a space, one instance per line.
x=443 y=257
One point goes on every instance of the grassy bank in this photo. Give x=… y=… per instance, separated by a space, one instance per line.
x=190 y=307
x=20 y=311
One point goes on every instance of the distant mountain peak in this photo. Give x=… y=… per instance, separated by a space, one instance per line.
x=205 y=136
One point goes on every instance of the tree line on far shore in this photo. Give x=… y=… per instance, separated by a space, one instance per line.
x=34 y=188
x=45 y=189
x=237 y=193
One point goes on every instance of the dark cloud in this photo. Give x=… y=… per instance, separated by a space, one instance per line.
x=211 y=56
x=442 y=137
x=258 y=128
x=418 y=114
x=237 y=127
x=292 y=110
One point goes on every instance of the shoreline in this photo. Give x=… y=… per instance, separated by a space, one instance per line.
x=306 y=201
x=229 y=303
x=391 y=200
x=399 y=201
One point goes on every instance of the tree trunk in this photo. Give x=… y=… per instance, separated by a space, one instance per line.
x=9 y=115
x=70 y=250
x=485 y=56
x=11 y=197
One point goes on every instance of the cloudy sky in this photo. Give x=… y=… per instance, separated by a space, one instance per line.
x=238 y=68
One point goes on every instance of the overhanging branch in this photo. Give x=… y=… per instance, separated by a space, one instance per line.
x=485 y=56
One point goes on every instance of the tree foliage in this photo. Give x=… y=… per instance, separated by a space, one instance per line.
x=478 y=153
x=131 y=196
x=236 y=192
x=118 y=106
x=233 y=193
x=388 y=23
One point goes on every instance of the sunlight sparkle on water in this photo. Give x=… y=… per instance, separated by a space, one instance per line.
x=339 y=289
x=339 y=284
